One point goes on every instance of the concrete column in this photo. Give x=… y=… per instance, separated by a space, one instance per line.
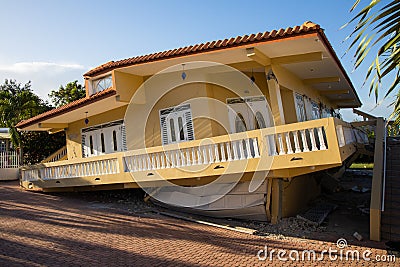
x=276 y=204
x=377 y=183
x=275 y=97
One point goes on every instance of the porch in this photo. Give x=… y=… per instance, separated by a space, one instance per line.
x=278 y=152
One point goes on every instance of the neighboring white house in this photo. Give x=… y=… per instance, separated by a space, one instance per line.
x=9 y=158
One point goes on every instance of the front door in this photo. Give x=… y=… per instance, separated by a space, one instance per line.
x=249 y=113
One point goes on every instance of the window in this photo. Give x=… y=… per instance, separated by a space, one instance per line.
x=326 y=113
x=300 y=108
x=259 y=121
x=101 y=84
x=115 y=140
x=316 y=113
x=103 y=146
x=3 y=146
x=240 y=124
x=176 y=124
x=103 y=139
x=91 y=145
x=172 y=129
x=181 y=132
x=247 y=113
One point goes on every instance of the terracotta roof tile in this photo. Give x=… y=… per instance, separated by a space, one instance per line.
x=68 y=107
x=304 y=28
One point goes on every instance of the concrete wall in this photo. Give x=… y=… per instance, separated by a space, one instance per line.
x=9 y=174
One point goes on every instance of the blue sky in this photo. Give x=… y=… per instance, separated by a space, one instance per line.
x=54 y=42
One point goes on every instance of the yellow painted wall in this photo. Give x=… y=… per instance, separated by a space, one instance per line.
x=180 y=95
x=73 y=133
x=297 y=194
x=290 y=81
x=289 y=106
x=126 y=85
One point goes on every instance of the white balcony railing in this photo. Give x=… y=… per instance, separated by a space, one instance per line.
x=331 y=138
x=246 y=148
x=56 y=156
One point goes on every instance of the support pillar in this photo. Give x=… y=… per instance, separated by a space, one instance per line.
x=276 y=205
x=275 y=97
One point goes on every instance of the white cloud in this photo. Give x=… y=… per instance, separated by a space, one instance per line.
x=39 y=66
x=45 y=76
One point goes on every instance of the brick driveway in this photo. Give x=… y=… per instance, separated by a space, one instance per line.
x=38 y=229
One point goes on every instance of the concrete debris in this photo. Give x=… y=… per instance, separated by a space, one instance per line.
x=317 y=214
x=358 y=236
x=360 y=189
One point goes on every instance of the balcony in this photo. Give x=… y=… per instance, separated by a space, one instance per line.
x=282 y=151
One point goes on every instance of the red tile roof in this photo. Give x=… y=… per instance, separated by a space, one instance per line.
x=68 y=107
x=306 y=28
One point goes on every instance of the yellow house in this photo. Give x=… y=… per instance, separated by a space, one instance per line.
x=235 y=127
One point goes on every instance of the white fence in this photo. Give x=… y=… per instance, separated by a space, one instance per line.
x=9 y=159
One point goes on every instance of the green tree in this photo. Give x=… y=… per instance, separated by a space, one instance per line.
x=18 y=102
x=64 y=95
x=378 y=28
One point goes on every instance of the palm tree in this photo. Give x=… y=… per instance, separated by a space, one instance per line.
x=378 y=27
x=17 y=103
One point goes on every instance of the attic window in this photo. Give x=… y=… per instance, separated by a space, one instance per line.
x=101 y=84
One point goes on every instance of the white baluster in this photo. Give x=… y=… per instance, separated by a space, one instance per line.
x=322 y=145
x=152 y=161
x=210 y=153
x=222 y=146
x=199 y=159
x=143 y=159
x=172 y=157
x=248 y=148
x=228 y=151
x=167 y=159
x=188 y=161
x=103 y=166
x=281 y=147
x=288 y=143
x=240 y=143
x=183 y=161
x=194 y=162
x=149 y=162
x=313 y=142
x=178 y=159
x=162 y=156
x=204 y=154
x=255 y=146
x=216 y=153
x=158 y=164
x=140 y=164
x=134 y=163
x=235 y=150
x=304 y=140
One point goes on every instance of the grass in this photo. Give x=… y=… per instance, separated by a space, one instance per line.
x=362 y=166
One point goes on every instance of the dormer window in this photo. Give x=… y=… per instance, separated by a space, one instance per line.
x=101 y=84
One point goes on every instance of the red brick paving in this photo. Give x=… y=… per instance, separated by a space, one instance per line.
x=46 y=230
